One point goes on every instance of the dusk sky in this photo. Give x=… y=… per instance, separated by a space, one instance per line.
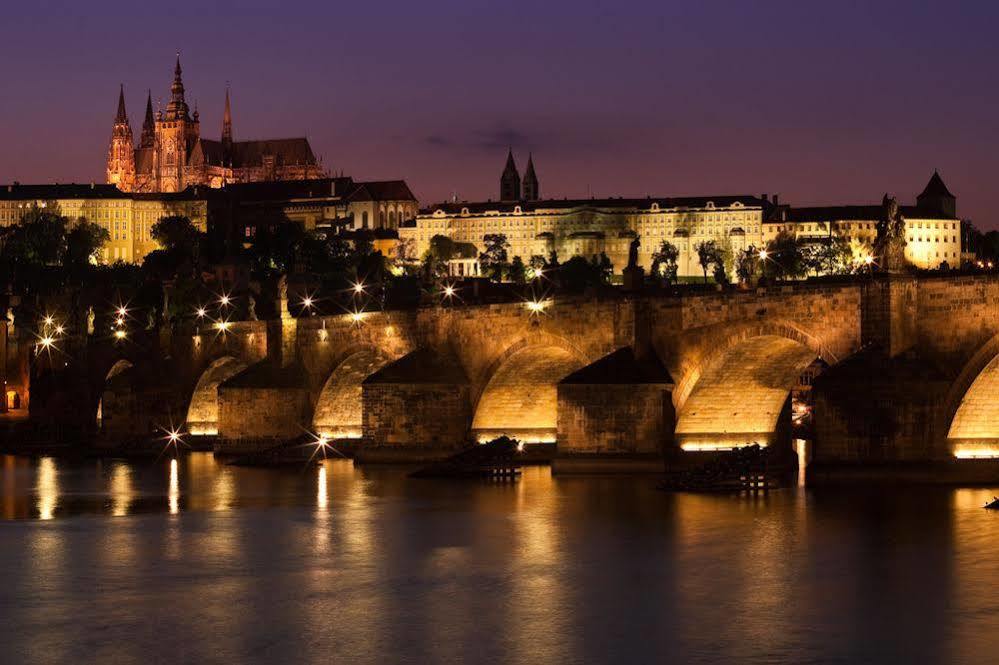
x=820 y=102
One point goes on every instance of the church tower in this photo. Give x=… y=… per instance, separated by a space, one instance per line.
x=227 y=125
x=176 y=134
x=936 y=198
x=148 y=136
x=121 y=153
x=510 y=180
x=530 y=188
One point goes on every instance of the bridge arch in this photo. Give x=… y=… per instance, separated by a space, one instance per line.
x=972 y=406
x=203 y=409
x=338 y=412
x=116 y=388
x=519 y=397
x=740 y=392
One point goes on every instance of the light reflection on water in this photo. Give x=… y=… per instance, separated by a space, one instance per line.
x=196 y=562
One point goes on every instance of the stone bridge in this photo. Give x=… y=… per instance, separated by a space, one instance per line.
x=911 y=374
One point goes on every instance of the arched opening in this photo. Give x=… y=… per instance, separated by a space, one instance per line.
x=744 y=396
x=117 y=389
x=203 y=412
x=974 y=430
x=338 y=413
x=521 y=398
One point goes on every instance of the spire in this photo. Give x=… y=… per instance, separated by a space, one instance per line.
x=227 y=121
x=936 y=198
x=121 y=118
x=530 y=183
x=177 y=108
x=148 y=136
x=510 y=180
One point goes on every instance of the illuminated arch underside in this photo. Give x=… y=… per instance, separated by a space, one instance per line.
x=116 y=369
x=338 y=412
x=521 y=398
x=974 y=432
x=738 y=400
x=203 y=413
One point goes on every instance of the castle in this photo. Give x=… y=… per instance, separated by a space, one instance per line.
x=172 y=155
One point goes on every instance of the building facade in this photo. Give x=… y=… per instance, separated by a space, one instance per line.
x=128 y=217
x=589 y=227
x=171 y=154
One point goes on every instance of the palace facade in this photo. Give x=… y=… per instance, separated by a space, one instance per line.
x=589 y=227
x=236 y=210
x=172 y=155
x=128 y=217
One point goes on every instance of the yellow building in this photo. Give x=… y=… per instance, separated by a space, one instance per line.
x=589 y=227
x=128 y=218
x=933 y=231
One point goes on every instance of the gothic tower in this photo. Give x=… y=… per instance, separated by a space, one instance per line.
x=530 y=188
x=148 y=136
x=227 y=125
x=121 y=155
x=936 y=198
x=176 y=134
x=510 y=180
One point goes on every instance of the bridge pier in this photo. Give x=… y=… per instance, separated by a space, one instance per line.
x=416 y=408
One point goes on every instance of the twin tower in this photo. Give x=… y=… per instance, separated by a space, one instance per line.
x=512 y=188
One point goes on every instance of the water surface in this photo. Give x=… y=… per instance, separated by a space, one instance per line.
x=190 y=561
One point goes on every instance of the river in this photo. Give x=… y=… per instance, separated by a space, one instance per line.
x=192 y=562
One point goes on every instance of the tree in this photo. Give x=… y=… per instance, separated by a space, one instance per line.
x=784 y=258
x=664 y=262
x=494 y=258
x=517 y=271
x=537 y=266
x=708 y=254
x=177 y=234
x=83 y=244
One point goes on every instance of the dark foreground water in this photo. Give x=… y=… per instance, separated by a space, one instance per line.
x=190 y=562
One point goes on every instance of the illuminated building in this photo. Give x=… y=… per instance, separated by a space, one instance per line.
x=172 y=155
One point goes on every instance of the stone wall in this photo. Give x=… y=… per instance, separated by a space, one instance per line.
x=614 y=418
x=416 y=415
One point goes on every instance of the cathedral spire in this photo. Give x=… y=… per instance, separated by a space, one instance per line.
x=510 y=180
x=121 y=118
x=227 y=121
x=530 y=183
x=177 y=108
x=148 y=136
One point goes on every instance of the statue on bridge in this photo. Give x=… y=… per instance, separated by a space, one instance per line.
x=889 y=245
x=90 y=320
x=633 y=252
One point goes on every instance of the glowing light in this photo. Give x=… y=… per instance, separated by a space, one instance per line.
x=536 y=306
x=224 y=300
x=222 y=326
x=122 y=311
x=975 y=452
x=449 y=291
x=60 y=330
x=202 y=313
x=356 y=316
x=120 y=321
x=307 y=302
x=359 y=288
x=47 y=341
x=764 y=254
x=120 y=334
x=48 y=488
x=173 y=493
x=321 y=493
x=868 y=259
x=49 y=320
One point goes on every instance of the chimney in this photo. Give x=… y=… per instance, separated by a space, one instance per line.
x=764 y=197
x=776 y=199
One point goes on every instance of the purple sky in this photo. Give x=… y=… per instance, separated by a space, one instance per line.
x=821 y=102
